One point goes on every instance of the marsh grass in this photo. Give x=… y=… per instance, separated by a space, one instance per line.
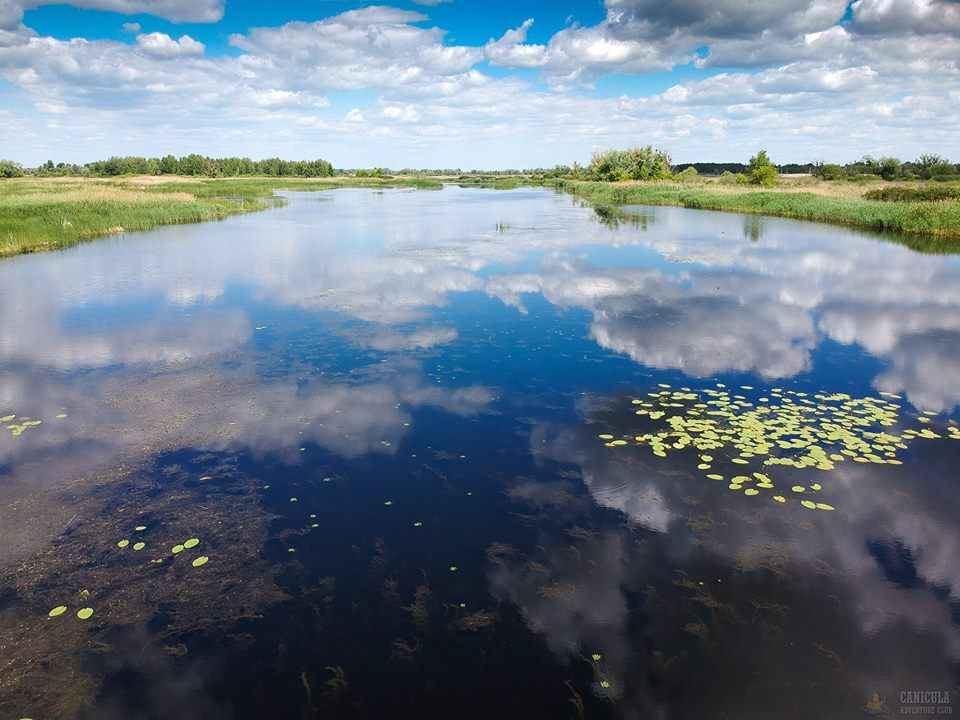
x=38 y=214
x=936 y=222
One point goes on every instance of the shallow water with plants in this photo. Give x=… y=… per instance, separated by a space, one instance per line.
x=475 y=453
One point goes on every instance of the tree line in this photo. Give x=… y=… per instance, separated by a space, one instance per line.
x=189 y=165
x=638 y=163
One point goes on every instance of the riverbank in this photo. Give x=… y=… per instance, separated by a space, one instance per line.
x=932 y=225
x=38 y=214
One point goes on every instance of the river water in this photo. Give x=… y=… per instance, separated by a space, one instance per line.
x=403 y=428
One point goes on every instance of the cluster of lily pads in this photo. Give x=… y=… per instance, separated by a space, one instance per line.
x=780 y=428
x=84 y=613
x=25 y=423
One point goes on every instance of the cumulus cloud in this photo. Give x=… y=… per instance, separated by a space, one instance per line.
x=434 y=104
x=161 y=45
x=902 y=17
x=200 y=11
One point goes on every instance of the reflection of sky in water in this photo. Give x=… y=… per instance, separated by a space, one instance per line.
x=362 y=326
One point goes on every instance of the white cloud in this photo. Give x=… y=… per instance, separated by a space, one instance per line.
x=900 y=17
x=161 y=45
x=431 y=104
x=130 y=27
x=200 y=11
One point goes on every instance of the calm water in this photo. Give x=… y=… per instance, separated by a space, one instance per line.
x=379 y=413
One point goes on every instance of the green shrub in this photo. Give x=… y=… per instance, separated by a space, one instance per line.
x=761 y=171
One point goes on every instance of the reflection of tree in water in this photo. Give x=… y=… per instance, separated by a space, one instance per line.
x=613 y=217
x=753 y=227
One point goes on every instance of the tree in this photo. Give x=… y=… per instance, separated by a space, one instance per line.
x=10 y=169
x=638 y=163
x=831 y=172
x=761 y=171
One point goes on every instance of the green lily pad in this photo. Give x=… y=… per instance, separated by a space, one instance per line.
x=191 y=543
x=57 y=611
x=85 y=613
x=123 y=543
x=139 y=546
x=176 y=549
x=202 y=560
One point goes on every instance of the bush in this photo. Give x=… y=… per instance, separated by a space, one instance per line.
x=915 y=194
x=761 y=171
x=686 y=175
x=831 y=172
x=639 y=163
x=10 y=169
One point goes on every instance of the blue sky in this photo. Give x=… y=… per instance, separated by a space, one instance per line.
x=478 y=84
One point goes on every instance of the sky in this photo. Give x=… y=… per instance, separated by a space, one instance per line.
x=479 y=84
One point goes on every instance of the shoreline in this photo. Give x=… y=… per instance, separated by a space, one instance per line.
x=43 y=214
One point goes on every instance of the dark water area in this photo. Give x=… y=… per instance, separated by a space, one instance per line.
x=449 y=454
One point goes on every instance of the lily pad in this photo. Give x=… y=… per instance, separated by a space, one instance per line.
x=57 y=611
x=176 y=549
x=191 y=543
x=202 y=560
x=139 y=546
x=123 y=543
x=85 y=613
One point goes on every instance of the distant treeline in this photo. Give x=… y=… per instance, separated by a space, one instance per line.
x=192 y=165
x=639 y=163
x=735 y=168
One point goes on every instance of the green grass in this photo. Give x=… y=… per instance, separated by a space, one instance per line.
x=38 y=214
x=931 y=226
x=922 y=193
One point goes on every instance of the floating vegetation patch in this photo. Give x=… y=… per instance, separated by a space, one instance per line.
x=191 y=543
x=781 y=429
x=17 y=429
x=57 y=611
x=202 y=560
x=85 y=613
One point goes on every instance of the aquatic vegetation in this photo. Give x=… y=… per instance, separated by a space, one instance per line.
x=85 y=613
x=200 y=561
x=191 y=543
x=139 y=546
x=176 y=549
x=57 y=611
x=784 y=428
x=61 y=416
x=123 y=543
x=140 y=528
x=16 y=430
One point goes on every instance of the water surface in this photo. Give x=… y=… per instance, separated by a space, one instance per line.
x=379 y=413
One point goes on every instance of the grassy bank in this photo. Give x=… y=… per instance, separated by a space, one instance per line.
x=38 y=214
x=840 y=203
